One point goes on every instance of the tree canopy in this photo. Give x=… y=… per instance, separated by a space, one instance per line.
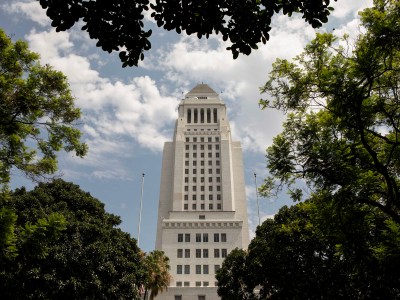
x=68 y=248
x=342 y=132
x=339 y=155
x=37 y=113
x=157 y=271
x=119 y=25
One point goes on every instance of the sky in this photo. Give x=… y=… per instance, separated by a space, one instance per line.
x=128 y=113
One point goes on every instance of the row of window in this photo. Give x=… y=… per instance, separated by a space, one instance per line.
x=202 y=163
x=202 y=206
x=198 y=283
x=194 y=154
x=199 y=269
x=202 y=139
x=202 y=253
x=202 y=188
x=194 y=147
x=199 y=297
x=210 y=171
x=202 y=197
x=202 y=179
x=218 y=237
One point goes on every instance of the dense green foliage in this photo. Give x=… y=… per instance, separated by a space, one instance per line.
x=37 y=113
x=68 y=248
x=340 y=147
x=119 y=26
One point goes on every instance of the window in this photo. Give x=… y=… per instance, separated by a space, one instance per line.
x=186 y=197
x=202 y=163
x=179 y=269
x=209 y=154
x=186 y=283
x=180 y=237
x=210 y=206
x=217 y=154
x=219 y=206
x=195 y=139
x=210 y=197
x=209 y=147
x=187 y=237
x=187 y=269
x=205 y=269
x=187 y=147
x=179 y=253
x=209 y=139
x=202 y=188
x=224 y=253
x=198 y=283
x=202 y=217
x=216 y=253
x=209 y=179
x=201 y=147
x=202 y=179
x=217 y=139
x=217 y=162
x=187 y=253
x=216 y=147
x=187 y=154
x=201 y=139
x=218 y=188
x=194 y=171
x=201 y=297
x=194 y=179
x=186 y=188
x=218 y=171
x=218 y=197
x=210 y=162
x=195 y=147
x=202 y=154
x=194 y=188
x=202 y=197
x=187 y=139
x=186 y=163
x=195 y=163
x=194 y=155
x=198 y=253
x=194 y=197
x=185 y=206
x=205 y=237
x=198 y=237
x=210 y=188
x=202 y=171
x=209 y=171
x=178 y=283
x=198 y=269
x=202 y=207
x=205 y=253
x=223 y=237
x=216 y=237
x=218 y=179
x=186 y=179
x=216 y=268
x=186 y=171
x=178 y=297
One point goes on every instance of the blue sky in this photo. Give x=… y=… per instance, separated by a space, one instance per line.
x=129 y=113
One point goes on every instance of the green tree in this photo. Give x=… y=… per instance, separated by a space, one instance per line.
x=37 y=113
x=342 y=134
x=158 y=275
x=119 y=25
x=90 y=258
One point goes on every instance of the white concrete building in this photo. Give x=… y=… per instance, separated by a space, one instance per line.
x=202 y=212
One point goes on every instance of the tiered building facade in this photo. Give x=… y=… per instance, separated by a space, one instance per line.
x=202 y=212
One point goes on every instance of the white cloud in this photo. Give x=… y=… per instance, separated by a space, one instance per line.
x=30 y=9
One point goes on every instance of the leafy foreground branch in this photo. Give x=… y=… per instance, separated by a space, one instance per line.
x=120 y=26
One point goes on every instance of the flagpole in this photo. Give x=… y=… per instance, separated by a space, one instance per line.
x=258 y=204
x=140 y=210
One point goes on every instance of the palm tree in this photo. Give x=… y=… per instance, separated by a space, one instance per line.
x=158 y=276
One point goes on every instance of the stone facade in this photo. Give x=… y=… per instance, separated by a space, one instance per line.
x=202 y=212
